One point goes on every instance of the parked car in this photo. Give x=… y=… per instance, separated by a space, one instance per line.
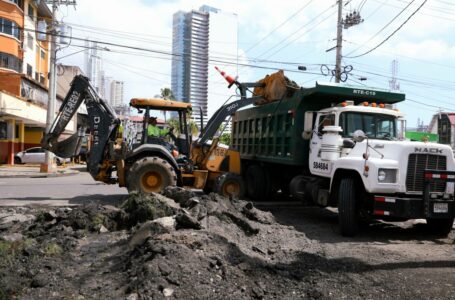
x=36 y=155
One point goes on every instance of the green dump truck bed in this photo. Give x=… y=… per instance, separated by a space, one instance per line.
x=273 y=132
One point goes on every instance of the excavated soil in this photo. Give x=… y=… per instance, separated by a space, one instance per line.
x=181 y=245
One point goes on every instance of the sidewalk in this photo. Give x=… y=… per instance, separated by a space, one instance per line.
x=33 y=171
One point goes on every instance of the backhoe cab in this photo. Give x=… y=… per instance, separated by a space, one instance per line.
x=200 y=165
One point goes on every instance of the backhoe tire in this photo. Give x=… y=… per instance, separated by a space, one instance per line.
x=230 y=185
x=440 y=227
x=150 y=174
x=257 y=183
x=348 y=211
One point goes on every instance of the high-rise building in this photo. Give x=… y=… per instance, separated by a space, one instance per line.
x=116 y=93
x=107 y=89
x=200 y=38
x=94 y=67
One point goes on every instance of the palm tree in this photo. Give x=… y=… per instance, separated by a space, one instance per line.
x=192 y=126
x=166 y=93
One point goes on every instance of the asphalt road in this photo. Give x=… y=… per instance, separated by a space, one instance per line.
x=58 y=191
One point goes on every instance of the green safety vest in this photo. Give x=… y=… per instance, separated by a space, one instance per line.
x=155 y=131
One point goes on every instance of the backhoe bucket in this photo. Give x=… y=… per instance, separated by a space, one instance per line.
x=66 y=148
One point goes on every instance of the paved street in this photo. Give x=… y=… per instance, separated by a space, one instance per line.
x=67 y=190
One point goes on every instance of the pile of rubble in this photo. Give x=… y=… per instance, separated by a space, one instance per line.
x=172 y=245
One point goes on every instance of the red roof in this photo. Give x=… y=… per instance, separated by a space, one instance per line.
x=451 y=117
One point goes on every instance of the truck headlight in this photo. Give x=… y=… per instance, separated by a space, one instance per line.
x=387 y=175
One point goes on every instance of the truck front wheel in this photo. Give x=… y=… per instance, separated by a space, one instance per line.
x=151 y=174
x=441 y=227
x=348 y=212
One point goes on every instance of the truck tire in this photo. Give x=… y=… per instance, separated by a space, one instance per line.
x=257 y=183
x=348 y=212
x=150 y=174
x=230 y=185
x=440 y=227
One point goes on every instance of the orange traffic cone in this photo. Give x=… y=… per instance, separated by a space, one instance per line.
x=228 y=78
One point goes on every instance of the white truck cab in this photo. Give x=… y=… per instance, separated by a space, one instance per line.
x=359 y=150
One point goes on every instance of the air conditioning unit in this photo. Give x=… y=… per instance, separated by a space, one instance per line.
x=23 y=47
x=28 y=93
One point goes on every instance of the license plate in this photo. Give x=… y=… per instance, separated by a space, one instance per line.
x=440 y=207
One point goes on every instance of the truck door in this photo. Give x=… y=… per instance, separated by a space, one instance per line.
x=319 y=166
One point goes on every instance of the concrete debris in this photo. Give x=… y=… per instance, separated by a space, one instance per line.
x=185 y=221
x=147 y=230
x=167 y=292
x=13 y=237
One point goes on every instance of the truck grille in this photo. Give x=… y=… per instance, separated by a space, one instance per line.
x=417 y=164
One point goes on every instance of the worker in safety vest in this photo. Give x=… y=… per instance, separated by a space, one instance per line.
x=153 y=130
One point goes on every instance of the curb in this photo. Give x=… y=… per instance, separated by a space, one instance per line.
x=37 y=175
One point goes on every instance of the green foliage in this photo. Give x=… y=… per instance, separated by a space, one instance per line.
x=192 y=126
x=139 y=208
x=225 y=138
x=166 y=93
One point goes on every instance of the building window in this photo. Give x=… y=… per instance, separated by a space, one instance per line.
x=9 y=61
x=43 y=54
x=3 y=130
x=41 y=78
x=36 y=76
x=9 y=27
x=30 y=41
x=31 y=12
x=17 y=2
x=29 y=70
x=16 y=132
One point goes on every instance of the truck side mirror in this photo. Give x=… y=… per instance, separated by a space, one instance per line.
x=358 y=136
x=307 y=125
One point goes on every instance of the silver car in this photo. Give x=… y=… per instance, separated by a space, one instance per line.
x=36 y=155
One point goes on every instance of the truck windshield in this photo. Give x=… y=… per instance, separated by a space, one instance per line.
x=376 y=126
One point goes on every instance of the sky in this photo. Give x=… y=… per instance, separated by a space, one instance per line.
x=284 y=36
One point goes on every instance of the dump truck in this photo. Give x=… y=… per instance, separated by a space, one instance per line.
x=341 y=146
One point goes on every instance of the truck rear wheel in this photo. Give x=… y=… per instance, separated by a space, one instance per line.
x=441 y=227
x=348 y=212
x=257 y=182
x=230 y=185
x=151 y=174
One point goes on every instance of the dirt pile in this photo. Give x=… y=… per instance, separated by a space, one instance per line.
x=150 y=246
x=180 y=245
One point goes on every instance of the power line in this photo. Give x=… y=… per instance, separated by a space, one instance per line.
x=296 y=31
x=279 y=26
x=395 y=31
x=423 y=13
x=384 y=27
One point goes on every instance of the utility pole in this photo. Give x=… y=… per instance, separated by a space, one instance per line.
x=352 y=19
x=49 y=165
x=339 y=42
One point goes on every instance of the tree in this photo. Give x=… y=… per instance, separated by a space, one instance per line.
x=166 y=93
x=192 y=126
x=225 y=138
